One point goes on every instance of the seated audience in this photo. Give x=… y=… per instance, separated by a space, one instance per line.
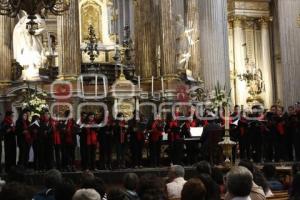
x=86 y=194
x=203 y=167
x=270 y=174
x=116 y=194
x=65 y=190
x=257 y=192
x=130 y=183
x=152 y=188
x=295 y=189
x=16 y=191
x=193 y=189
x=176 y=178
x=261 y=181
x=239 y=183
x=212 y=188
x=53 y=178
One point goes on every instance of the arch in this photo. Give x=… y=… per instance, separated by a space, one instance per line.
x=13 y=90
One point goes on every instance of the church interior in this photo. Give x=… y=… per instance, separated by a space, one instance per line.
x=171 y=67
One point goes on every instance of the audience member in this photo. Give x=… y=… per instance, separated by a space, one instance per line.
x=16 y=191
x=152 y=188
x=117 y=194
x=295 y=189
x=65 y=190
x=212 y=188
x=53 y=178
x=261 y=181
x=130 y=183
x=176 y=178
x=239 y=183
x=86 y=194
x=193 y=189
x=203 y=167
x=270 y=174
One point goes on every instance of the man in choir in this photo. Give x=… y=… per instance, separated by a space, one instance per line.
x=155 y=141
x=280 y=139
x=244 y=137
x=234 y=131
x=120 y=139
x=8 y=128
x=69 y=141
x=270 y=133
x=47 y=131
x=105 y=138
x=212 y=134
x=91 y=141
x=24 y=138
x=291 y=129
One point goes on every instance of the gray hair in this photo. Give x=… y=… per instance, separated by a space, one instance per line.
x=86 y=194
x=178 y=170
x=239 y=181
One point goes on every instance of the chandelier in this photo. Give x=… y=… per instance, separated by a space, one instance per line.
x=12 y=8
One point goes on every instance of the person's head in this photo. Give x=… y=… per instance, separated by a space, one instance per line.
x=35 y=118
x=269 y=171
x=116 y=194
x=280 y=110
x=151 y=187
x=83 y=115
x=248 y=164
x=291 y=110
x=65 y=190
x=203 y=167
x=176 y=171
x=16 y=191
x=25 y=116
x=90 y=117
x=53 y=178
x=193 y=189
x=46 y=116
x=67 y=114
x=239 y=181
x=130 y=181
x=86 y=194
x=273 y=109
x=87 y=177
x=212 y=188
x=261 y=181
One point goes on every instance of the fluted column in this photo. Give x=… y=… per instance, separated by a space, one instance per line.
x=5 y=50
x=193 y=22
x=146 y=35
x=69 y=42
x=239 y=60
x=288 y=12
x=266 y=62
x=214 y=42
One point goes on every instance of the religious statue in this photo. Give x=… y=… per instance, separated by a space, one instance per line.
x=182 y=45
x=28 y=47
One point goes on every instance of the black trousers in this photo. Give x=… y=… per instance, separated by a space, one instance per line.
x=176 y=152
x=68 y=155
x=121 y=151
x=136 y=149
x=83 y=152
x=244 y=143
x=10 y=151
x=105 y=149
x=155 y=150
x=24 y=149
x=192 y=152
x=49 y=154
x=57 y=150
x=91 y=156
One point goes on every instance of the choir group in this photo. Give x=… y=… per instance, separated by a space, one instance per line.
x=261 y=136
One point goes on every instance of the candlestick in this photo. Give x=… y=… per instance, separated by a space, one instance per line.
x=227 y=117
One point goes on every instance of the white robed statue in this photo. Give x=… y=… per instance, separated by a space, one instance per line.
x=28 y=49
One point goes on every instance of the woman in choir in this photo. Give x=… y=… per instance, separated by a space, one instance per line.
x=56 y=136
x=47 y=133
x=82 y=140
x=105 y=139
x=37 y=142
x=155 y=141
x=90 y=133
x=8 y=128
x=24 y=138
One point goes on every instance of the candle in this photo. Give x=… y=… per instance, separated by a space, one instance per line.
x=139 y=82
x=104 y=86
x=152 y=85
x=49 y=43
x=227 y=117
x=82 y=86
x=162 y=85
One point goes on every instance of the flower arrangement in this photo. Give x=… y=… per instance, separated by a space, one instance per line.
x=219 y=97
x=35 y=103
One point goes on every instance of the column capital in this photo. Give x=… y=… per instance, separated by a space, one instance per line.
x=237 y=20
x=264 y=21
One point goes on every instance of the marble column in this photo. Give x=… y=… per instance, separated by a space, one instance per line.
x=169 y=11
x=146 y=36
x=69 y=42
x=5 y=50
x=214 y=43
x=266 y=62
x=239 y=60
x=192 y=21
x=289 y=31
